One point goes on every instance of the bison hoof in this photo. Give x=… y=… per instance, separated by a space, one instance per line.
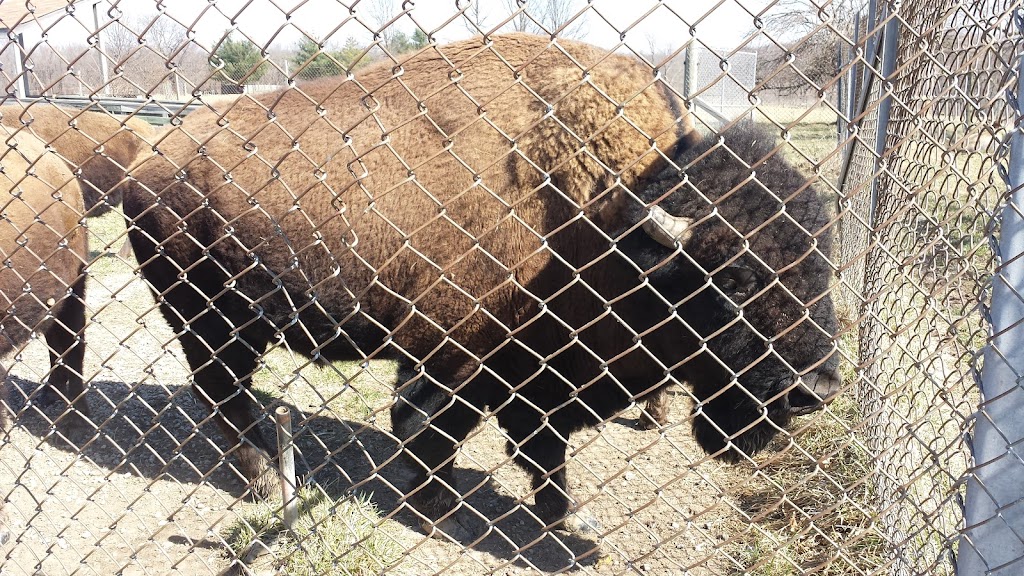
x=75 y=425
x=264 y=482
x=646 y=422
x=581 y=523
x=458 y=527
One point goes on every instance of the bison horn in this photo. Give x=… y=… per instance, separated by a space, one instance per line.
x=667 y=229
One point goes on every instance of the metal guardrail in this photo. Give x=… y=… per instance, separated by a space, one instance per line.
x=157 y=112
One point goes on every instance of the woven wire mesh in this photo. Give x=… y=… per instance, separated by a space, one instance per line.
x=723 y=84
x=145 y=478
x=937 y=188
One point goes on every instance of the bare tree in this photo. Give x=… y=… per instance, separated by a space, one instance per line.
x=144 y=48
x=805 y=38
x=163 y=34
x=474 y=16
x=118 y=41
x=556 y=13
x=169 y=40
x=669 y=59
x=521 y=22
x=381 y=12
x=49 y=71
x=547 y=16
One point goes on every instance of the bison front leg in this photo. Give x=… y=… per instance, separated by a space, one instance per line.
x=541 y=451
x=432 y=422
x=222 y=380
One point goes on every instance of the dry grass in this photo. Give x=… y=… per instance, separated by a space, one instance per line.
x=809 y=504
x=812 y=512
x=332 y=536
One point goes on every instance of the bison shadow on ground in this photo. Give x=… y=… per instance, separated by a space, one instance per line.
x=163 y=432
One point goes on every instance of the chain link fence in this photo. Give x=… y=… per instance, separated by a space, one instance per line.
x=721 y=85
x=347 y=288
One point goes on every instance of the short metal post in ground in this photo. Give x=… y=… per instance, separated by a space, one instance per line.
x=993 y=537
x=286 y=457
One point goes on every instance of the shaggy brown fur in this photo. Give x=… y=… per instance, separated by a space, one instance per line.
x=428 y=212
x=43 y=248
x=97 y=146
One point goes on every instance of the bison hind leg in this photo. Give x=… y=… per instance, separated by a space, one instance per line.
x=65 y=338
x=222 y=381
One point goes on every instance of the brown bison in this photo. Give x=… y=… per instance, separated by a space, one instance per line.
x=504 y=216
x=43 y=249
x=98 y=147
x=42 y=256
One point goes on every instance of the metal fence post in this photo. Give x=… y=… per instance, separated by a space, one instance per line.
x=842 y=89
x=890 y=45
x=21 y=83
x=851 y=104
x=286 y=451
x=690 y=71
x=101 y=53
x=993 y=536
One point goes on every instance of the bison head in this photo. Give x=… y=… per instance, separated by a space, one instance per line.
x=737 y=241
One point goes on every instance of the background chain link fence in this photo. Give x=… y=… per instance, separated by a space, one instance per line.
x=901 y=115
x=721 y=85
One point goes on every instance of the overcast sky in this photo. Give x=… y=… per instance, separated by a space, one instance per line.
x=721 y=24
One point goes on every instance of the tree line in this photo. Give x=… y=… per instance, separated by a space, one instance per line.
x=240 y=61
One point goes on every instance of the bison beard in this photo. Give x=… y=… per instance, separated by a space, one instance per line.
x=465 y=256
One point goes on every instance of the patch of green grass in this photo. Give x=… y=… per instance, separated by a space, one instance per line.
x=346 y=389
x=802 y=115
x=332 y=536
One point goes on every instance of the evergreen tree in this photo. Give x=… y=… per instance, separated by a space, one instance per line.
x=241 y=61
x=315 y=62
x=419 y=39
x=349 y=52
x=401 y=42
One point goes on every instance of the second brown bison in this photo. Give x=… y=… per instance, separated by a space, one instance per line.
x=504 y=216
x=98 y=147
x=42 y=256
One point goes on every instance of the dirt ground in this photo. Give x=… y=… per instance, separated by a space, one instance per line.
x=148 y=492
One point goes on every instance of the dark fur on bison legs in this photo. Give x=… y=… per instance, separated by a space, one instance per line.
x=431 y=423
x=222 y=357
x=223 y=382
x=540 y=449
x=65 y=340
